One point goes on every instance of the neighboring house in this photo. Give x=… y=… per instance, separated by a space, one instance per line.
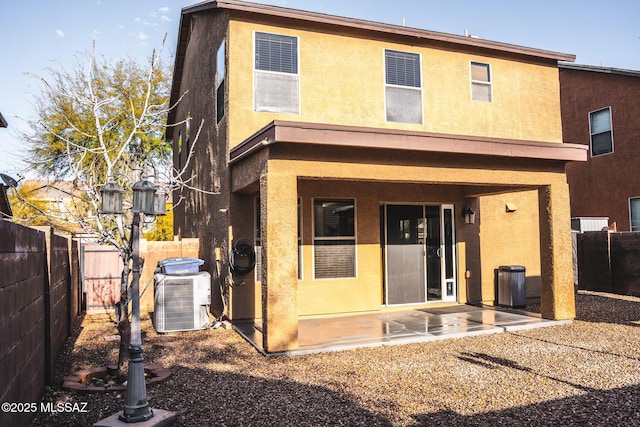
x=349 y=152
x=50 y=202
x=600 y=109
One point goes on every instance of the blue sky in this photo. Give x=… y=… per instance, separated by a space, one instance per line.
x=37 y=34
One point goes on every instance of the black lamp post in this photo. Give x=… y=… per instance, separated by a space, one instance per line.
x=136 y=407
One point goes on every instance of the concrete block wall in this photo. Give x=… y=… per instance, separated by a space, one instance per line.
x=35 y=312
x=23 y=276
x=57 y=299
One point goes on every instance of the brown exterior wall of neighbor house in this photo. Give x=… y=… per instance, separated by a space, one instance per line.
x=601 y=187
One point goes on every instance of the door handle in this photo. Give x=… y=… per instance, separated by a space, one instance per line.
x=439 y=252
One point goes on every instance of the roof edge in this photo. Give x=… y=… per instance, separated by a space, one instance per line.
x=598 y=69
x=377 y=138
x=377 y=27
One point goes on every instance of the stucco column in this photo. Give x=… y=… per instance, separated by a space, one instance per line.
x=557 y=292
x=279 y=235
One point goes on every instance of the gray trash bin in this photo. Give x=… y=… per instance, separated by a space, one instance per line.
x=511 y=286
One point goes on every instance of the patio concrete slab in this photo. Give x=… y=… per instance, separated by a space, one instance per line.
x=402 y=327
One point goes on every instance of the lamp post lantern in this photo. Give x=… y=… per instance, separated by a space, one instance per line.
x=112 y=195
x=143 y=194
x=160 y=201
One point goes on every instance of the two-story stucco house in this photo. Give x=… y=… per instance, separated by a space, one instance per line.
x=348 y=153
x=599 y=110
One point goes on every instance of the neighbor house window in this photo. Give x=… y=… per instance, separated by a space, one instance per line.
x=276 y=84
x=334 y=243
x=220 y=82
x=634 y=211
x=481 y=82
x=600 y=130
x=403 y=87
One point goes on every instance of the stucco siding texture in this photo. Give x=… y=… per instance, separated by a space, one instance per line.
x=342 y=81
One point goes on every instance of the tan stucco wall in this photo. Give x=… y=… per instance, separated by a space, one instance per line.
x=509 y=238
x=525 y=96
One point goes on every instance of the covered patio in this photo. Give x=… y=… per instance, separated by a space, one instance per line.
x=399 y=327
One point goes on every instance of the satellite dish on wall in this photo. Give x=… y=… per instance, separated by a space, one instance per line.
x=8 y=181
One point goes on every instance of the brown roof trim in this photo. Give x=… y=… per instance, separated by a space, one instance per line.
x=597 y=69
x=3 y=122
x=375 y=26
x=350 y=136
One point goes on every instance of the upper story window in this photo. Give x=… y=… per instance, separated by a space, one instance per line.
x=600 y=131
x=481 y=82
x=220 y=74
x=403 y=87
x=276 y=82
x=634 y=212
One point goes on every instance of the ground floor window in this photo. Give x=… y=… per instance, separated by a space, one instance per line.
x=334 y=242
x=634 y=211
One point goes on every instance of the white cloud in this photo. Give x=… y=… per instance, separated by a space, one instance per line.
x=60 y=33
x=142 y=36
x=165 y=18
x=164 y=9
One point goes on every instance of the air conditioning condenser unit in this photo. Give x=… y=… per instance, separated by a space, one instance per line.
x=182 y=302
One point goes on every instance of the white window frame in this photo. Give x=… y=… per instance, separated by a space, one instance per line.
x=257 y=72
x=220 y=78
x=404 y=87
x=591 y=134
x=488 y=83
x=330 y=238
x=631 y=216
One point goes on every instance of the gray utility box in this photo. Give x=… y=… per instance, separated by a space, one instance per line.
x=511 y=286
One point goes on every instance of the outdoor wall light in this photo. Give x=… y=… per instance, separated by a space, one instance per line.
x=112 y=195
x=143 y=197
x=469 y=214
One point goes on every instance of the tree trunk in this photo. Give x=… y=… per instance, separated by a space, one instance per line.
x=124 y=327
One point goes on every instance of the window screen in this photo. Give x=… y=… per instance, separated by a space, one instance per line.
x=276 y=74
x=481 y=82
x=600 y=129
x=334 y=239
x=277 y=53
x=403 y=87
x=402 y=69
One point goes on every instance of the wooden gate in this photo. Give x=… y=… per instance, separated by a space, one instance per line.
x=101 y=270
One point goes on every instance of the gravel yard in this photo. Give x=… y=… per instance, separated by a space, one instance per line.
x=586 y=373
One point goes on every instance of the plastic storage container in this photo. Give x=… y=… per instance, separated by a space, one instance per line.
x=179 y=266
x=511 y=286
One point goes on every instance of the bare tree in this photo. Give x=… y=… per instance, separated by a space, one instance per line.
x=101 y=123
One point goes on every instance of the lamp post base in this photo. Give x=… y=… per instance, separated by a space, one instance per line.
x=160 y=418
